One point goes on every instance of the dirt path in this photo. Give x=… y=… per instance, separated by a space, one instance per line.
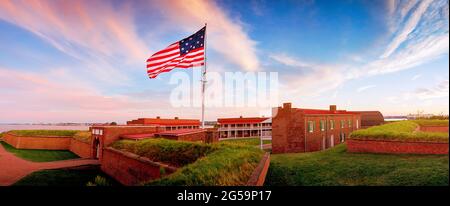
x=13 y=168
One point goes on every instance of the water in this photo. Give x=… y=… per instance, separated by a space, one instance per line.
x=7 y=127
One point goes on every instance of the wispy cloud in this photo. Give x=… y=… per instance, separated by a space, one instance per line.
x=226 y=35
x=289 y=61
x=415 y=77
x=407 y=28
x=71 y=25
x=421 y=36
x=437 y=91
x=361 y=89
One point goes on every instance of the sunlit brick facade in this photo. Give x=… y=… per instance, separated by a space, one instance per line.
x=307 y=130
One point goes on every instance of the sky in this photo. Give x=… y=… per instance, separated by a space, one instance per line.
x=84 y=61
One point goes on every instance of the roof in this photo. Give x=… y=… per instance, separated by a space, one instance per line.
x=241 y=120
x=322 y=111
x=137 y=136
x=179 y=132
x=165 y=122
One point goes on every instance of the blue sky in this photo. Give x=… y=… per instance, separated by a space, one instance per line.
x=84 y=61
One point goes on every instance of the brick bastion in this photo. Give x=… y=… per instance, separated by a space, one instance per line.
x=127 y=168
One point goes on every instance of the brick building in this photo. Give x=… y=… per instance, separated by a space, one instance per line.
x=244 y=127
x=167 y=124
x=307 y=130
x=370 y=118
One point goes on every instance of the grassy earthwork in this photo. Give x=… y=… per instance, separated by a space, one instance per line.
x=199 y=163
x=336 y=167
x=403 y=130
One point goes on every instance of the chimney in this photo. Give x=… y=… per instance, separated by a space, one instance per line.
x=332 y=108
x=176 y=117
x=157 y=117
x=287 y=105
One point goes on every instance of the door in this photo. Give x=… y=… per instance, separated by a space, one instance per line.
x=324 y=143
x=332 y=141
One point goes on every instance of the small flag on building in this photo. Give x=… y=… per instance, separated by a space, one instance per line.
x=187 y=53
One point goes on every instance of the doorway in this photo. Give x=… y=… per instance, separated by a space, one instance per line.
x=96 y=145
x=332 y=141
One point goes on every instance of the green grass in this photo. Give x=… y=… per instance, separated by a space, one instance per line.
x=424 y=122
x=246 y=141
x=83 y=136
x=62 y=133
x=66 y=177
x=338 y=168
x=175 y=153
x=403 y=130
x=202 y=164
x=39 y=155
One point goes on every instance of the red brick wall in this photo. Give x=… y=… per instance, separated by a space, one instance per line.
x=131 y=169
x=259 y=174
x=396 y=147
x=289 y=129
x=41 y=142
x=433 y=128
x=82 y=149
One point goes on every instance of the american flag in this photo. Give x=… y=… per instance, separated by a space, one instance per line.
x=188 y=52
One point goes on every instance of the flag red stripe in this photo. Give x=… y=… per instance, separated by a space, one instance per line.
x=169 y=48
x=157 y=62
x=176 y=59
x=180 y=64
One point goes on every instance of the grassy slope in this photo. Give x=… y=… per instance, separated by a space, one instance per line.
x=39 y=155
x=403 y=130
x=337 y=167
x=84 y=136
x=44 y=132
x=228 y=166
x=63 y=177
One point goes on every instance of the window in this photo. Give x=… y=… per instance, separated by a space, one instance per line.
x=357 y=123
x=322 y=125
x=342 y=123
x=311 y=126
x=349 y=123
x=331 y=124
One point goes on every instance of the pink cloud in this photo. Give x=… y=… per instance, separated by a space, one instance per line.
x=101 y=29
x=226 y=35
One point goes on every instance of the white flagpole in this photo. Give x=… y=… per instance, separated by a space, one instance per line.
x=204 y=84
